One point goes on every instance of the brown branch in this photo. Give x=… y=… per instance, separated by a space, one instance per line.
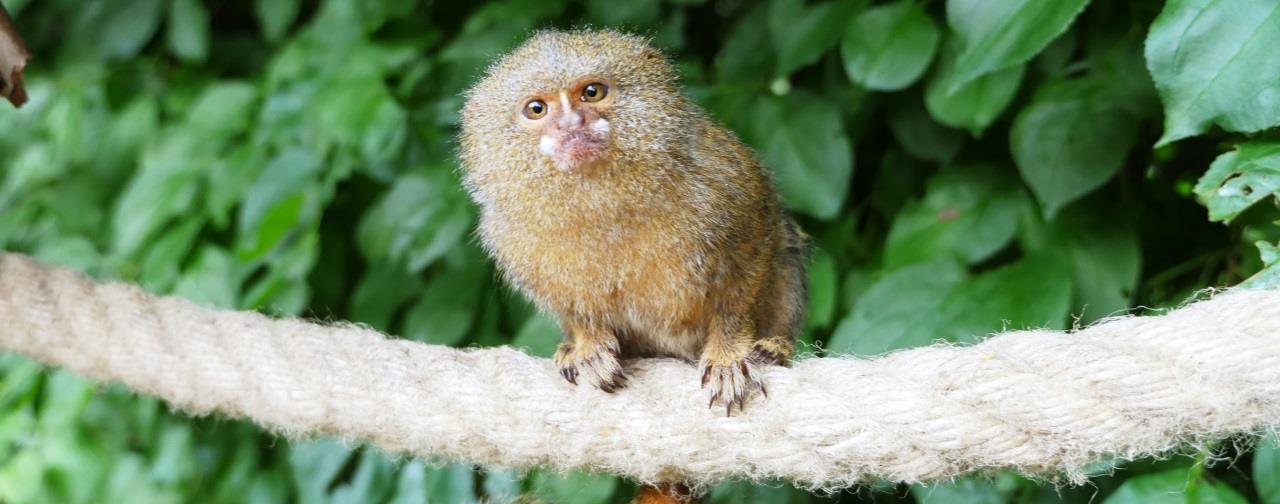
x=13 y=60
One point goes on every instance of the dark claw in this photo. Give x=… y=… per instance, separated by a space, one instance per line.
x=607 y=387
x=706 y=376
x=764 y=390
x=570 y=373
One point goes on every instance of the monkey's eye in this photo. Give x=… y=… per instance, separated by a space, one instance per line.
x=594 y=92
x=535 y=109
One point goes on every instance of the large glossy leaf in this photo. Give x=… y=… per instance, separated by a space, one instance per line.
x=1002 y=34
x=968 y=212
x=802 y=139
x=417 y=221
x=976 y=103
x=1214 y=62
x=888 y=47
x=802 y=33
x=1072 y=138
x=1239 y=179
x=919 y=134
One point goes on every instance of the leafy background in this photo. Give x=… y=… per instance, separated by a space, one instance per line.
x=1019 y=163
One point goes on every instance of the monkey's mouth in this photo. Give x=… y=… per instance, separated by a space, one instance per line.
x=578 y=148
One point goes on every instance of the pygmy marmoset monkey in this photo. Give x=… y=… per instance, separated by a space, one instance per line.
x=615 y=204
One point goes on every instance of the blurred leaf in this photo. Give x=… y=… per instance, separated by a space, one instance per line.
x=971 y=490
x=1266 y=470
x=189 y=30
x=371 y=482
x=919 y=135
x=539 y=336
x=276 y=202
x=165 y=186
x=315 y=464
x=806 y=146
x=383 y=289
x=1105 y=257
x=968 y=212
x=802 y=33
x=1213 y=62
x=211 y=280
x=126 y=26
x=898 y=311
x=576 y=487
x=416 y=222
x=1071 y=139
x=444 y=312
x=1156 y=488
x=975 y=104
x=747 y=53
x=823 y=284
x=1239 y=179
x=889 y=46
x=934 y=301
x=634 y=13
x=999 y=35
x=275 y=16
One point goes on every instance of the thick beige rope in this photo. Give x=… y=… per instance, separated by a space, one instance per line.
x=1034 y=401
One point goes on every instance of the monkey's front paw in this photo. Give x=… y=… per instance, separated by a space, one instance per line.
x=730 y=382
x=595 y=364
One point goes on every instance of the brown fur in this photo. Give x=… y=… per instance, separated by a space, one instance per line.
x=675 y=245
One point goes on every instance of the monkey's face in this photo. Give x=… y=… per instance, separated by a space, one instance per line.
x=572 y=125
x=584 y=102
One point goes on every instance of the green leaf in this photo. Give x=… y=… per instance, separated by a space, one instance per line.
x=315 y=464
x=934 y=301
x=539 y=336
x=1269 y=277
x=1214 y=63
x=1239 y=179
x=446 y=309
x=211 y=280
x=747 y=54
x=968 y=212
x=127 y=26
x=970 y=490
x=189 y=30
x=999 y=35
x=1166 y=487
x=823 y=286
x=975 y=104
x=919 y=134
x=422 y=217
x=577 y=487
x=1266 y=470
x=901 y=310
x=806 y=146
x=277 y=202
x=802 y=33
x=608 y=13
x=164 y=187
x=1073 y=137
x=275 y=16
x=384 y=287
x=889 y=46
x=1105 y=256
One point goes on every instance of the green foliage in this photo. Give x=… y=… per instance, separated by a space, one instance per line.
x=298 y=158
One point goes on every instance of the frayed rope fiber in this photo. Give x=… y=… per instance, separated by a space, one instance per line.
x=1039 y=402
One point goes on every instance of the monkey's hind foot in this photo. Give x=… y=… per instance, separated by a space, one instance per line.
x=730 y=381
x=594 y=363
x=771 y=351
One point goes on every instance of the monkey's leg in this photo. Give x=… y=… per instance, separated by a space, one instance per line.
x=589 y=353
x=781 y=312
x=665 y=493
x=727 y=374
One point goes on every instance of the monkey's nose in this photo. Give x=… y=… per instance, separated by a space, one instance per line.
x=570 y=119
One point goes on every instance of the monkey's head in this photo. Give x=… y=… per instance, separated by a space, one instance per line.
x=571 y=102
